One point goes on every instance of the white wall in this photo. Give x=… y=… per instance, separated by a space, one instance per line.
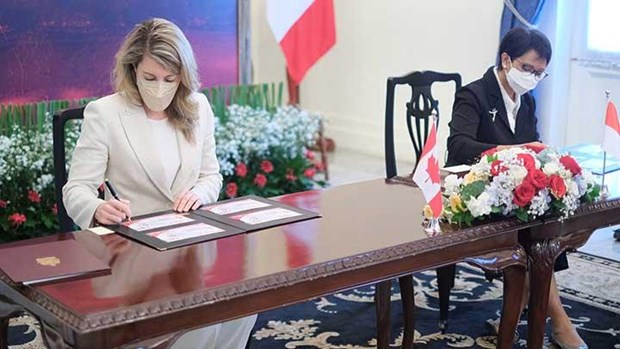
x=572 y=100
x=378 y=39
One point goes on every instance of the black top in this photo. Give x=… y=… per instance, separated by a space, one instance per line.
x=473 y=128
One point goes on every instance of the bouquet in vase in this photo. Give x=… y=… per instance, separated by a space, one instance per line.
x=525 y=182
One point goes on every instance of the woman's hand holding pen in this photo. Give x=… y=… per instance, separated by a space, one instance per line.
x=112 y=211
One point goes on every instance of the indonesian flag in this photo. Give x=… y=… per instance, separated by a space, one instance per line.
x=611 y=137
x=305 y=30
x=426 y=174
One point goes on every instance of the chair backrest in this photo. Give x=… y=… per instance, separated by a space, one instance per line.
x=419 y=109
x=60 y=170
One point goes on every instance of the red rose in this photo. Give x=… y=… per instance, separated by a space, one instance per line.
x=524 y=194
x=570 y=164
x=528 y=161
x=538 y=178
x=536 y=148
x=266 y=166
x=231 y=190
x=489 y=152
x=55 y=209
x=497 y=167
x=557 y=186
x=310 y=154
x=260 y=180
x=241 y=169
x=310 y=172
x=290 y=175
x=17 y=219
x=3 y=204
x=34 y=197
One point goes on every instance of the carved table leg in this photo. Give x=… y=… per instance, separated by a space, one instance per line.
x=514 y=280
x=407 y=295
x=542 y=257
x=513 y=263
x=383 y=295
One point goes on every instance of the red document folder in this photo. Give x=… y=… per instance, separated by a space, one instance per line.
x=50 y=261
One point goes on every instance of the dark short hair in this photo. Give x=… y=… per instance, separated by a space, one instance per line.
x=520 y=40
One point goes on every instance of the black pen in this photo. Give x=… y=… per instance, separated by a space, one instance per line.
x=113 y=191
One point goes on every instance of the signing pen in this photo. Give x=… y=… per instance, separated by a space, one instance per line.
x=113 y=191
x=111 y=188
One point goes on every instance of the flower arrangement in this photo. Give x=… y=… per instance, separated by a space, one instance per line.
x=525 y=182
x=265 y=153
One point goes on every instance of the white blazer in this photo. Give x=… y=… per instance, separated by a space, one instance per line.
x=116 y=143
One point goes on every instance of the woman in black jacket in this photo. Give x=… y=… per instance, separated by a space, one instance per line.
x=498 y=111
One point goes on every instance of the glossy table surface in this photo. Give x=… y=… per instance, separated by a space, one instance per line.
x=356 y=219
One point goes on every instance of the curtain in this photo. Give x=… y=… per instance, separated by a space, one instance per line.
x=528 y=9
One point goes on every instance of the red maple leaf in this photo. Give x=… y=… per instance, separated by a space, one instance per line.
x=432 y=168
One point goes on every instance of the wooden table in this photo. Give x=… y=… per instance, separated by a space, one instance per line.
x=369 y=232
x=546 y=241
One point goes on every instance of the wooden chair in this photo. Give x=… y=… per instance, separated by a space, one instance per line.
x=417 y=114
x=59 y=120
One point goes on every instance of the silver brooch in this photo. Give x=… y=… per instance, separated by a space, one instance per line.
x=493 y=113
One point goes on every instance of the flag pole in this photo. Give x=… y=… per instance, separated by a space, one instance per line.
x=604 y=192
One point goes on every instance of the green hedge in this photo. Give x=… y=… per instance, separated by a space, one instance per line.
x=32 y=115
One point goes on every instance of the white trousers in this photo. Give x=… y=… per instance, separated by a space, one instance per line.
x=227 y=335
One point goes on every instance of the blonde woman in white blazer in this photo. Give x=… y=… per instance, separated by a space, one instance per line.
x=154 y=140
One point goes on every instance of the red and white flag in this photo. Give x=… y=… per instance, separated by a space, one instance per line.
x=426 y=174
x=305 y=30
x=611 y=137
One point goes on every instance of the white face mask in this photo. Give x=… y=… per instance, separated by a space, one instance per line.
x=520 y=81
x=157 y=95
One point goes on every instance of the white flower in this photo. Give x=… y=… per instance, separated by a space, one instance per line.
x=540 y=203
x=451 y=184
x=479 y=206
x=550 y=168
x=247 y=133
x=517 y=173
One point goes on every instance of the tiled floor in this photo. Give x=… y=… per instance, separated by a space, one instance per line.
x=348 y=167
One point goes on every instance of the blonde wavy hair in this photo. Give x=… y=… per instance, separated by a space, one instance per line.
x=166 y=44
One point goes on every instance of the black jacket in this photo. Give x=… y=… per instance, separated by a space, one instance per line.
x=472 y=128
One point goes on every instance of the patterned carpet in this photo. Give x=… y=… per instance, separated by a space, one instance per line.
x=590 y=291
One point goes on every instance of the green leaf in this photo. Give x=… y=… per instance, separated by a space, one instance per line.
x=522 y=215
x=473 y=189
x=469 y=219
x=557 y=204
x=496 y=209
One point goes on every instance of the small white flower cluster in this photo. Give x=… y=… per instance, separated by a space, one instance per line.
x=248 y=132
x=26 y=157
x=519 y=181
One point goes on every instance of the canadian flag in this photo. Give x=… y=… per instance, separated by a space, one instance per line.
x=426 y=174
x=305 y=30
x=611 y=137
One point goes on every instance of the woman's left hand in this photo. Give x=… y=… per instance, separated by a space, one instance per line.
x=186 y=202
